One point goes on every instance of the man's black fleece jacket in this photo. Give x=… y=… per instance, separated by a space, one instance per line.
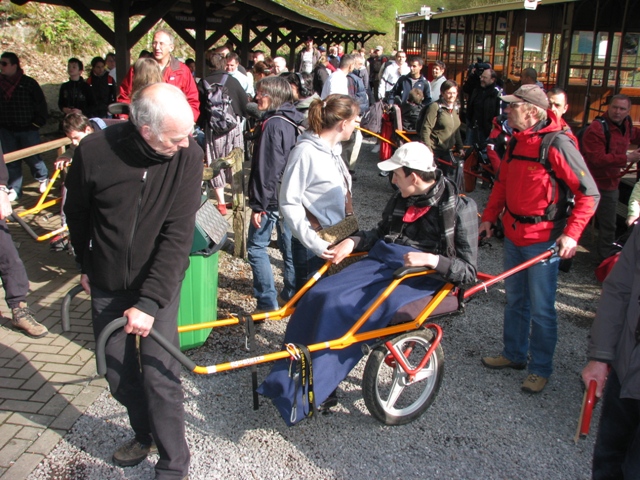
x=131 y=213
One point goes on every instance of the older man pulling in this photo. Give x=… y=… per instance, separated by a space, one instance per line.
x=133 y=191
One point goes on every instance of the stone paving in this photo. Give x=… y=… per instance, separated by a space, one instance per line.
x=46 y=384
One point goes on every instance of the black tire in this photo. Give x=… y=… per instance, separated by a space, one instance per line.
x=381 y=379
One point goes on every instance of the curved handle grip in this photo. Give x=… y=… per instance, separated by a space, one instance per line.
x=64 y=309
x=101 y=342
x=402 y=271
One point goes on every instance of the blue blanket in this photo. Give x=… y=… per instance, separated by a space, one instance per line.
x=329 y=309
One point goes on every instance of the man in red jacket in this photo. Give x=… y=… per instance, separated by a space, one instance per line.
x=536 y=198
x=604 y=146
x=174 y=72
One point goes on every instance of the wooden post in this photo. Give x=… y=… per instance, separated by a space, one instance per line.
x=239 y=210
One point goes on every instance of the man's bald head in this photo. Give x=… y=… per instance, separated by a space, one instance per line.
x=163 y=117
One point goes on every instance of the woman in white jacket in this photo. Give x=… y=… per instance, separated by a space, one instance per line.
x=316 y=180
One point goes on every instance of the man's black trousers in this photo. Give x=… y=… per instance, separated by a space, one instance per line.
x=148 y=384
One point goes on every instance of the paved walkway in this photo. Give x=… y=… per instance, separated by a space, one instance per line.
x=45 y=383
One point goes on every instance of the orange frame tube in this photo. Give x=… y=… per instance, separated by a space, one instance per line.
x=349 y=338
x=41 y=205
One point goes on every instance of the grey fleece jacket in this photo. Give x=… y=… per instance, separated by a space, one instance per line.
x=317 y=179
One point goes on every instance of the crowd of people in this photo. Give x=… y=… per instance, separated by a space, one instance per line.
x=133 y=187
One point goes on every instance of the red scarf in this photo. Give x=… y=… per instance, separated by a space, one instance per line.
x=413 y=213
x=8 y=85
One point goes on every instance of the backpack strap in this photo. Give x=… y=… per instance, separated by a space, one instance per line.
x=551 y=212
x=605 y=130
x=297 y=126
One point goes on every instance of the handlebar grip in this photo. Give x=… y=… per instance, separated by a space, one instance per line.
x=64 y=309
x=402 y=271
x=101 y=342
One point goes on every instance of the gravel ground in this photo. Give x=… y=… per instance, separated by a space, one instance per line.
x=480 y=425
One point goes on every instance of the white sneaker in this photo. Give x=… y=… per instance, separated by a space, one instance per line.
x=376 y=148
x=12 y=195
x=43 y=185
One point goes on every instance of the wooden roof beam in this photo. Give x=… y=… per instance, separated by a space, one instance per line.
x=160 y=9
x=93 y=20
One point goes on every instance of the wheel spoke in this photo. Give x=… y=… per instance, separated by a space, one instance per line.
x=426 y=372
x=397 y=387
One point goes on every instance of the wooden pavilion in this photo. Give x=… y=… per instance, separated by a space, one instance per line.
x=204 y=23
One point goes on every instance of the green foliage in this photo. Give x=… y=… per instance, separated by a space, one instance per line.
x=11 y=12
x=60 y=28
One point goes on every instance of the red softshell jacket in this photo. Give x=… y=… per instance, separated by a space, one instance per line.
x=175 y=73
x=605 y=167
x=526 y=188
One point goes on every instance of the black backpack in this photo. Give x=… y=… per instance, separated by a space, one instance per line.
x=220 y=115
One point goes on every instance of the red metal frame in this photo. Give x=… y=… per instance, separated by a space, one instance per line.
x=400 y=357
x=488 y=280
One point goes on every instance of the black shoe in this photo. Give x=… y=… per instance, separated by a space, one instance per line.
x=331 y=401
x=132 y=453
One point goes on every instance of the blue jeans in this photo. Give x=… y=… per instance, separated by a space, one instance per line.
x=530 y=323
x=12 y=141
x=257 y=242
x=617 y=450
x=305 y=262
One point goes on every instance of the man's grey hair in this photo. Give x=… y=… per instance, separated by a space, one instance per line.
x=539 y=113
x=167 y=33
x=150 y=108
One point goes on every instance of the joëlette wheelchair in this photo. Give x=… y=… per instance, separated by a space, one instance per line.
x=405 y=364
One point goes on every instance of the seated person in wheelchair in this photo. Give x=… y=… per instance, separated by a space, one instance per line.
x=425 y=223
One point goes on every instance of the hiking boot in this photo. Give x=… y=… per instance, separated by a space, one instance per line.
x=534 y=383
x=132 y=453
x=500 y=361
x=23 y=319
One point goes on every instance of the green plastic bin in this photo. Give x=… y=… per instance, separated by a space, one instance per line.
x=198 y=299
